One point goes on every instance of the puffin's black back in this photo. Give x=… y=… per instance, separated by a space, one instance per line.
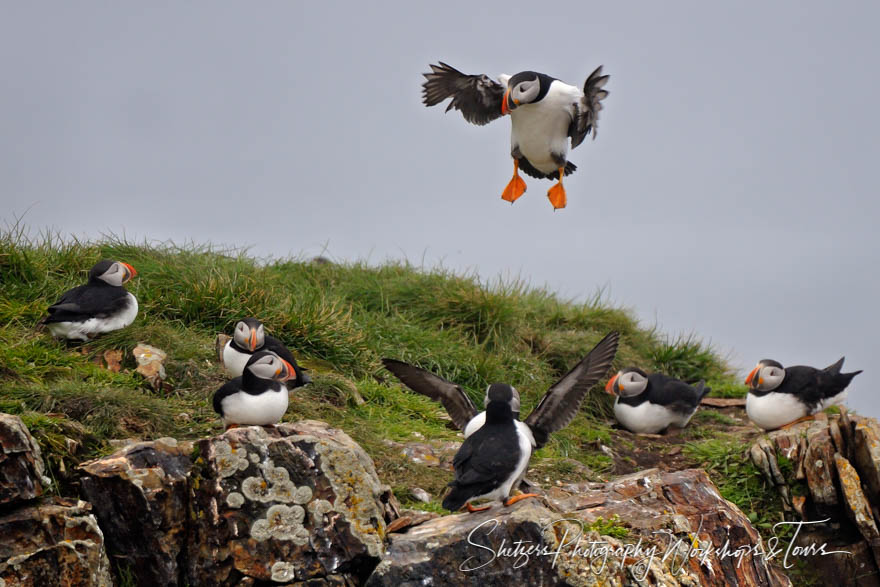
x=812 y=385
x=486 y=459
x=95 y=299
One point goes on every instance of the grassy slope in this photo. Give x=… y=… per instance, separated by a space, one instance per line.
x=340 y=319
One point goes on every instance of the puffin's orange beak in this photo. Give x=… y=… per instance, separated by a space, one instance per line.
x=131 y=271
x=504 y=109
x=751 y=376
x=291 y=372
x=609 y=387
x=252 y=341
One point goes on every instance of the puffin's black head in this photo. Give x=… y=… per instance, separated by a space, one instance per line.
x=526 y=87
x=503 y=393
x=111 y=272
x=766 y=376
x=628 y=382
x=268 y=365
x=249 y=334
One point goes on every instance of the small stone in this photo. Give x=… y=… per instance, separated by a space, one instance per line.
x=420 y=494
x=150 y=361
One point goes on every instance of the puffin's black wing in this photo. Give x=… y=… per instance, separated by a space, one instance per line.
x=561 y=402
x=477 y=96
x=230 y=387
x=458 y=405
x=270 y=343
x=675 y=394
x=88 y=301
x=486 y=459
x=585 y=121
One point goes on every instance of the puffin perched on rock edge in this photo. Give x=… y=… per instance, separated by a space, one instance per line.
x=781 y=396
x=544 y=111
x=495 y=454
x=259 y=396
x=100 y=305
x=648 y=404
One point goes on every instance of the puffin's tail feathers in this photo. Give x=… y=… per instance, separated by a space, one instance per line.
x=455 y=499
x=835 y=368
x=526 y=167
x=702 y=390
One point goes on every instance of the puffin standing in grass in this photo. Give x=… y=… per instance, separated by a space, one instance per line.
x=259 y=396
x=101 y=305
x=781 y=396
x=250 y=337
x=545 y=114
x=649 y=404
x=495 y=454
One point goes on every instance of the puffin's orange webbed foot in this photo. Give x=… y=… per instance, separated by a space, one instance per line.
x=473 y=509
x=512 y=500
x=231 y=426
x=556 y=194
x=798 y=421
x=516 y=187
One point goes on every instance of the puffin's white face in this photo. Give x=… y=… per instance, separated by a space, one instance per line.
x=118 y=273
x=627 y=383
x=271 y=366
x=766 y=376
x=525 y=92
x=247 y=337
x=514 y=400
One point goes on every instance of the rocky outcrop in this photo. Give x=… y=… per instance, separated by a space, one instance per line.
x=141 y=496
x=56 y=543
x=671 y=528
x=22 y=473
x=828 y=474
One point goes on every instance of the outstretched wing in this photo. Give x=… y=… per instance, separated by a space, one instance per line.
x=477 y=96
x=587 y=116
x=458 y=405
x=562 y=401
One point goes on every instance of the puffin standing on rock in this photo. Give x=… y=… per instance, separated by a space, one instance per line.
x=781 y=396
x=101 y=305
x=495 y=454
x=649 y=404
x=544 y=112
x=250 y=337
x=258 y=397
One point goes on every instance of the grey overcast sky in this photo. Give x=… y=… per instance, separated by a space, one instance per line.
x=731 y=192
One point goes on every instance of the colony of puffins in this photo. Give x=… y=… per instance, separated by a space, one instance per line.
x=494 y=456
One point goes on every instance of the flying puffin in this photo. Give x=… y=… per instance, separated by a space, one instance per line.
x=648 y=404
x=259 y=396
x=544 y=112
x=101 y=305
x=779 y=396
x=495 y=454
x=250 y=337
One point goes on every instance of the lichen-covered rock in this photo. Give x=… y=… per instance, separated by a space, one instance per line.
x=831 y=475
x=300 y=502
x=58 y=543
x=139 y=495
x=679 y=515
x=22 y=473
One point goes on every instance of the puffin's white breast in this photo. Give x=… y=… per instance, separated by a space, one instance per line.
x=234 y=360
x=648 y=418
x=255 y=410
x=773 y=410
x=541 y=129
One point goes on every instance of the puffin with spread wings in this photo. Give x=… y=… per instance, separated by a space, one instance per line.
x=495 y=454
x=544 y=112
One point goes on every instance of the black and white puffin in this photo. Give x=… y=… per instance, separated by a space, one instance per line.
x=495 y=454
x=544 y=112
x=779 y=396
x=648 y=404
x=250 y=337
x=259 y=396
x=101 y=305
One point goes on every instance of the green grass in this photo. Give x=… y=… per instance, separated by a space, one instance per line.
x=339 y=319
